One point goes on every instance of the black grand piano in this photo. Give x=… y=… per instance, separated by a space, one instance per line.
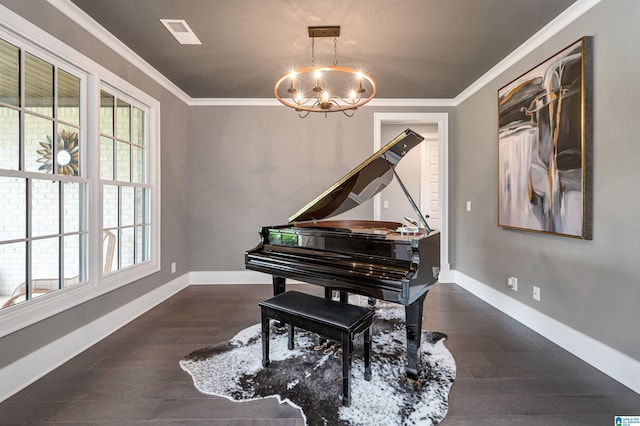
x=381 y=260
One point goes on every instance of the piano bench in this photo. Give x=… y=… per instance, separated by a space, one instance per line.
x=330 y=319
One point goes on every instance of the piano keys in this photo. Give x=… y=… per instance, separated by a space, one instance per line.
x=371 y=258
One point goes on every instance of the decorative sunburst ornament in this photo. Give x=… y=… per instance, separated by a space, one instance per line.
x=66 y=153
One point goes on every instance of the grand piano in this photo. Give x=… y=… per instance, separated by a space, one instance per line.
x=382 y=260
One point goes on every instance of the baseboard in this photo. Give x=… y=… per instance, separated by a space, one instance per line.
x=610 y=361
x=21 y=373
x=446 y=275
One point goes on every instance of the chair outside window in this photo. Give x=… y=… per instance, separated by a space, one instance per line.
x=40 y=286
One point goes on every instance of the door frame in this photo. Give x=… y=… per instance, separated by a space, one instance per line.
x=441 y=119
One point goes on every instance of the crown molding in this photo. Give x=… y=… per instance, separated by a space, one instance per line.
x=572 y=13
x=389 y=102
x=234 y=102
x=81 y=18
x=377 y=102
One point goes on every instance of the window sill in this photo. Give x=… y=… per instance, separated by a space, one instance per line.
x=24 y=314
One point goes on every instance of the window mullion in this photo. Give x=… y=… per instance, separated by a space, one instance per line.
x=21 y=102
x=93 y=216
x=28 y=256
x=61 y=239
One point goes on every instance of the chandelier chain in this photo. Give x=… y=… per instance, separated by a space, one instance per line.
x=335 y=51
x=313 y=51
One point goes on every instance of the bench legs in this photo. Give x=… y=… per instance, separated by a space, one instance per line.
x=265 y=340
x=347 y=350
x=367 y=354
x=290 y=336
x=346 y=369
x=323 y=317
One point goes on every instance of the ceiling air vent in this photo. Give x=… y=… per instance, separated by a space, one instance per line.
x=181 y=31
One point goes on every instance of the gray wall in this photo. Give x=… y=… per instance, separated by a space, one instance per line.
x=174 y=151
x=592 y=286
x=253 y=166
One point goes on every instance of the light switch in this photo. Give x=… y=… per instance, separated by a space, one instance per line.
x=468 y=206
x=385 y=204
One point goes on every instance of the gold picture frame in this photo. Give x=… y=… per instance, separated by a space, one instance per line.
x=545 y=146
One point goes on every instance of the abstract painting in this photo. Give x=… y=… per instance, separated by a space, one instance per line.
x=544 y=146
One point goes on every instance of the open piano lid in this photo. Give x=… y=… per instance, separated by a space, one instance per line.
x=362 y=183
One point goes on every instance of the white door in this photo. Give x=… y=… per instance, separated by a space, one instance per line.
x=419 y=172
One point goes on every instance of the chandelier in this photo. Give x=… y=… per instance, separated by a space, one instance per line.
x=325 y=88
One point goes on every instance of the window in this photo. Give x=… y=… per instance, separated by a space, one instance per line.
x=79 y=180
x=125 y=187
x=43 y=227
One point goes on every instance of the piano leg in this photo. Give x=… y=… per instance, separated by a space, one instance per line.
x=279 y=285
x=413 y=318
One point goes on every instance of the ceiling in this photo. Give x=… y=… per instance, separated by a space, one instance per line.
x=415 y=49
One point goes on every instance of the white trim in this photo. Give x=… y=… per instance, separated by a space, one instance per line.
x=234 y=102
x=152 y=112
x=442 y=120
x=376 y=102
x=26 y=370
x=389 y=102
x=610 y=361
x=572 y=13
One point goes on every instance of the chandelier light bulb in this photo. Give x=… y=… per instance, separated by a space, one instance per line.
x=292 y=76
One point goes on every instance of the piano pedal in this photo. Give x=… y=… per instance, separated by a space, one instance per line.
x=280 y=327
x=331 y=349
x=338 y=353
x=411 y=384
x=322 y=346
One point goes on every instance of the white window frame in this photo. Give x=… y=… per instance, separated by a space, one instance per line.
x=151 y=108
x=22 y=33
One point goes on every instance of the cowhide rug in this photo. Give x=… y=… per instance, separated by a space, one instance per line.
x=312 y=381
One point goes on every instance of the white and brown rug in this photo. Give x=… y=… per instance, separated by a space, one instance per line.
x=312 y=380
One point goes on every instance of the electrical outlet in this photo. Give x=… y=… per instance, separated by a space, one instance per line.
x=536 y=293
x=512 y=283
x=173 y=267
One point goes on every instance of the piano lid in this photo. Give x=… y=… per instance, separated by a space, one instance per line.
x=362 y=183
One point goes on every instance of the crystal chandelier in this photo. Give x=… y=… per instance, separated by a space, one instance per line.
x=325 y=88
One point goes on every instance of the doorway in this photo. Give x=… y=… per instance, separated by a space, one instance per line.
x=425 y=174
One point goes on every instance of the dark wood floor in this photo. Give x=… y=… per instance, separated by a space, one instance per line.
x=507 y=374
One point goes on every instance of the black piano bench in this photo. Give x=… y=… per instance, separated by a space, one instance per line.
x=331 y=319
